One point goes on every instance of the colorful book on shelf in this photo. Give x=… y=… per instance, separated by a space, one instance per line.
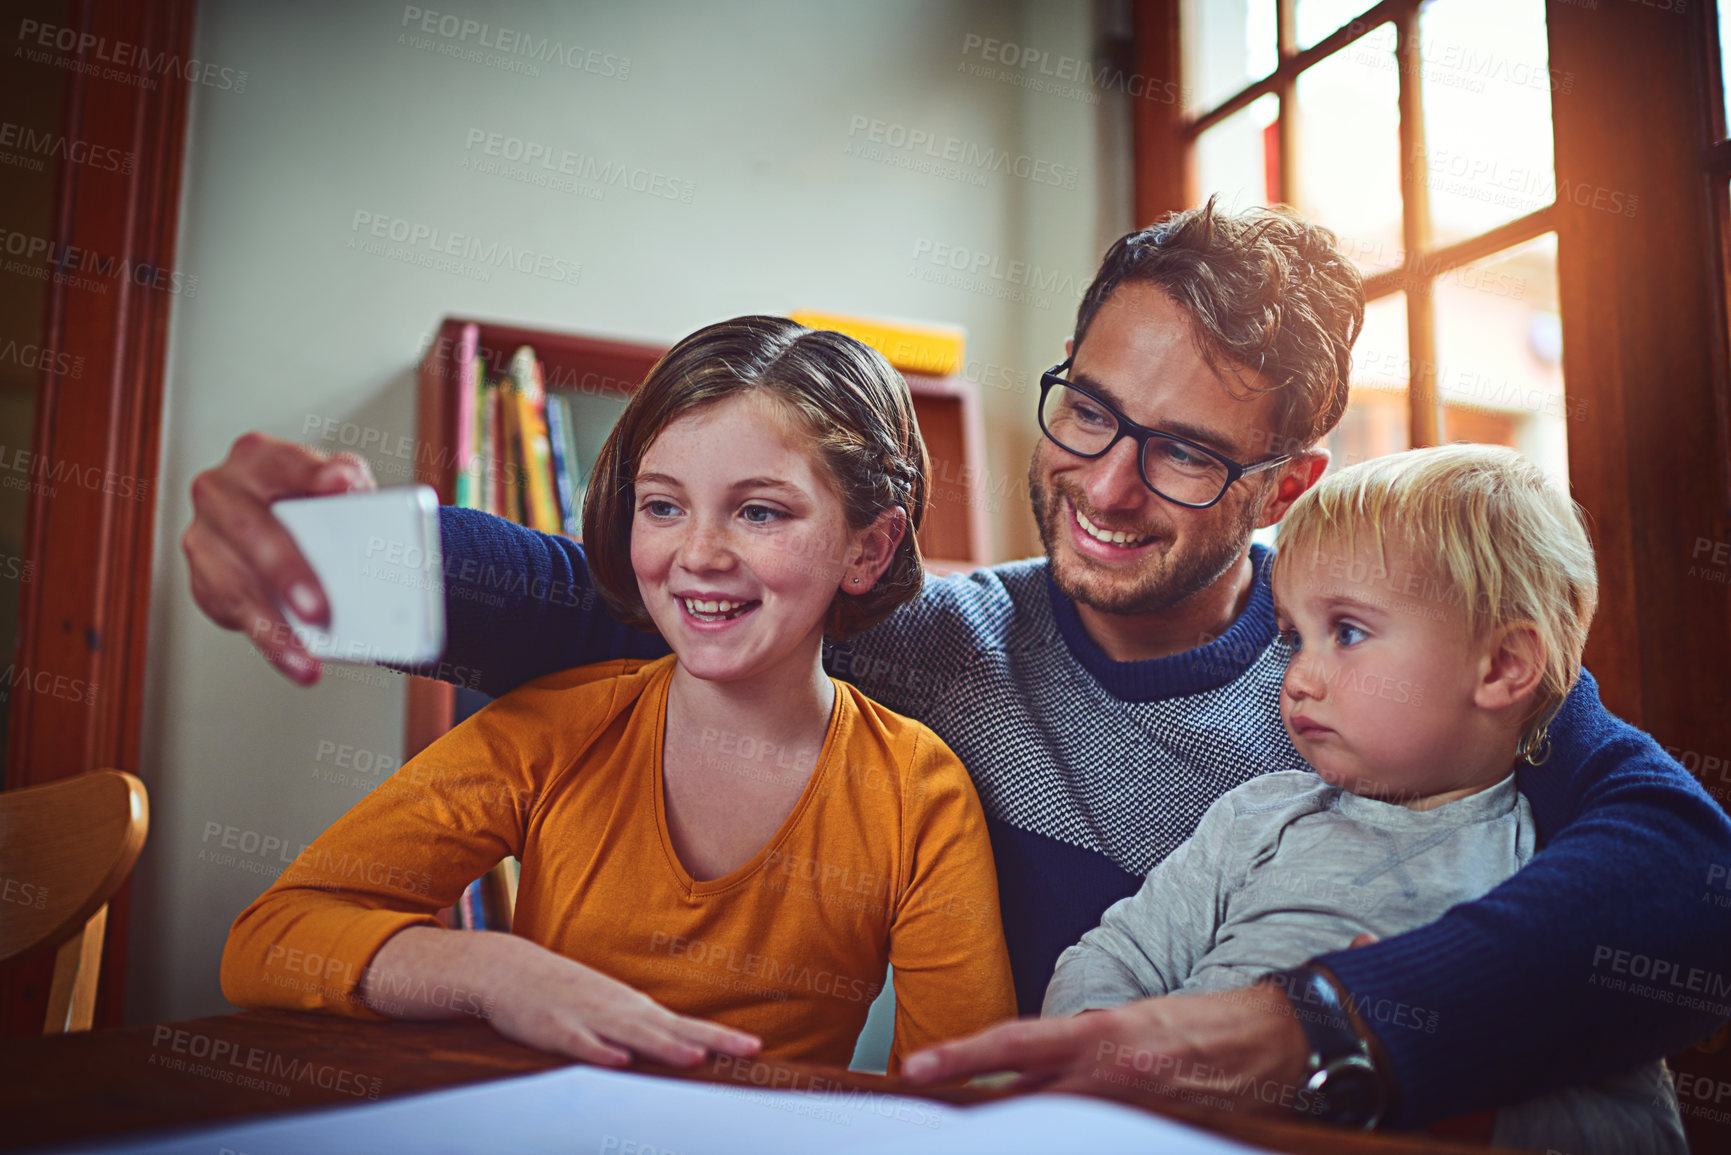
x=469 y=368
x=492 y=444
x=475 y=465
x=498 y=889
x=510 y=455
x=564 y=465
x=511 y=462
x=574 y=471
x=472 y=907
x=538 y=503
x=487 y=903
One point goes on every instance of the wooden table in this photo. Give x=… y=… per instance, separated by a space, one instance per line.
x=96 y=1083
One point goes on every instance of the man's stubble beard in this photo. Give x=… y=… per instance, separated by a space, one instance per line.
x=1164 y=581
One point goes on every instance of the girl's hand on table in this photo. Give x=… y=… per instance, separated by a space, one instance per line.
x=556 y=1004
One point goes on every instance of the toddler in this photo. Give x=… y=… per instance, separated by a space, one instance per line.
x=1435 y=604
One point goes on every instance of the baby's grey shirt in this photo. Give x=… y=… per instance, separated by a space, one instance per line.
x=1287 y=867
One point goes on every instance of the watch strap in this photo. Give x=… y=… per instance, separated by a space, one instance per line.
x=1340 y=1067
x=1321 y=1015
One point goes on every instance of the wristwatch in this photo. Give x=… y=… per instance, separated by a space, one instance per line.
x=1340 y=1073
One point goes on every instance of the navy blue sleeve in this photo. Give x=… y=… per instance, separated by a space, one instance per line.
x=1606 y=951
x=520 y=604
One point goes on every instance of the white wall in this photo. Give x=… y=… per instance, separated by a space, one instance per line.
x=752 y=104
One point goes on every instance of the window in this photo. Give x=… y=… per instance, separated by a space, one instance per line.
x=1718 y=155
x=1421 y=135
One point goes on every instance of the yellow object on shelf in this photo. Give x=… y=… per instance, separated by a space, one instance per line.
x=910 y=347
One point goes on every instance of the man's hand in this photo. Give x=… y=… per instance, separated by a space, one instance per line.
x=1241 y=1047
x=244 y=564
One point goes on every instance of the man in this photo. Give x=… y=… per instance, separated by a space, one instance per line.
x=1104 y=695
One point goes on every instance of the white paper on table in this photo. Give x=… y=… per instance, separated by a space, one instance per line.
x=591 y=1111
x=1052 y=1124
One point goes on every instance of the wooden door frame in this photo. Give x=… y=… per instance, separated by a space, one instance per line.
x=1162 y=159
x=1642 y=298
x=91 y=513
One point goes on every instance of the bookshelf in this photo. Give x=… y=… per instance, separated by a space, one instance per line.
x=597 y=375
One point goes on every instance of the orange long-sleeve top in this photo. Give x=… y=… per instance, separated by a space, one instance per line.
x=884 y=859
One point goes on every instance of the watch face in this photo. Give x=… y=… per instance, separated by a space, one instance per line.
x=1347 y=1091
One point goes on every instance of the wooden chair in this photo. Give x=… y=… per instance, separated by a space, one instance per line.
x=65 y=848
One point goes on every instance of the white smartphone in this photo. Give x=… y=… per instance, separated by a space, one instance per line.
x=377 y=556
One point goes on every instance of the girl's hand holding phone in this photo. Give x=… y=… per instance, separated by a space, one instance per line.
x=542 y=999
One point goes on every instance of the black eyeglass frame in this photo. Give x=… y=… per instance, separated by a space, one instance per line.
x=1142 y=435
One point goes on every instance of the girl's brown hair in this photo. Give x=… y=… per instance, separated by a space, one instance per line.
x=855 y=408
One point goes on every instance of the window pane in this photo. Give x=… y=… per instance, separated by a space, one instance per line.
x=1724 y=50
x=1499 y=355
x=1375 y=422
x=1318 y=19
x=1227 y=45
x=1348 y=174
x=1235 y=158
x=1487 y=87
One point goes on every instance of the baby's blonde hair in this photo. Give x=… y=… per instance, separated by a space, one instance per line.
x=1488 y=526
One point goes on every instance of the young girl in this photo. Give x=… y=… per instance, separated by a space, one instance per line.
x=722 y=848
x=1436 y=603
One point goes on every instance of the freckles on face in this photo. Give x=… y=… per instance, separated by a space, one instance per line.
x=738 y=541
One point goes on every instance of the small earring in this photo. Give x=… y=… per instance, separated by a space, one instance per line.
x=856 y=581
x=1536 y=750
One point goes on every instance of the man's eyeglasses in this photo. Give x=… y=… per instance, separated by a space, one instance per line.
x=1174 y=467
